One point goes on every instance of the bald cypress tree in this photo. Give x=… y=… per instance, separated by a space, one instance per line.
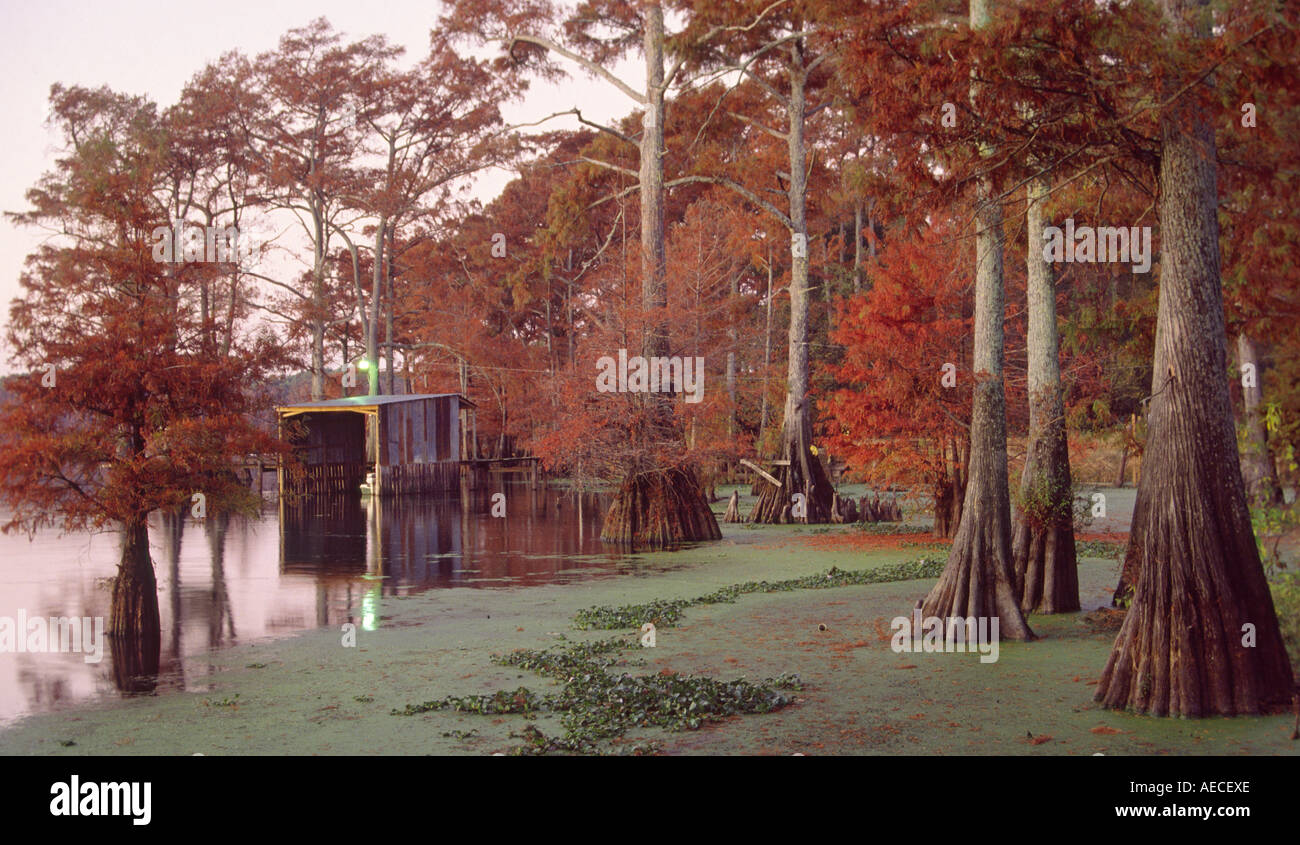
x=1201 y=636
x=978 y=579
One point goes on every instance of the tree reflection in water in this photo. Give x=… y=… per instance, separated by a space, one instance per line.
x=313 y=563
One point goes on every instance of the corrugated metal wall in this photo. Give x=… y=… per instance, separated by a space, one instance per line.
x=422 y=431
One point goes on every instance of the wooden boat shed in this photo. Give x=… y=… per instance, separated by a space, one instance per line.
x=412 y=444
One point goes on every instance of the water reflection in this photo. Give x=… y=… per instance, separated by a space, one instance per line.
x=315 y=563
x=135 y=660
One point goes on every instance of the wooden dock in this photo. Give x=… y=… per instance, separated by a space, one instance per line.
x=335 y=480
x=478 y=468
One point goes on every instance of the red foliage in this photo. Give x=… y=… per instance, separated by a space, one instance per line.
x=893 y=415
x=130 y=407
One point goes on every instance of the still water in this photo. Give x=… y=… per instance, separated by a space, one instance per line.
x=321 y=563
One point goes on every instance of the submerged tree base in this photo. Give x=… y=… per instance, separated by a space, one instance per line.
x=657 y=509
x=1046 y=568
x=805 y=475
x=1201 y=636
x=134 y=612
x=135 y=662
x=977 y=578
x=134 y=625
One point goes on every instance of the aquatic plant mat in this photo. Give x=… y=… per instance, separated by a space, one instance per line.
x=311 y=694
x=668 y=612
x=598 y=706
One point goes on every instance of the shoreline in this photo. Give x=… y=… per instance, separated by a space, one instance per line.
x=308 y=694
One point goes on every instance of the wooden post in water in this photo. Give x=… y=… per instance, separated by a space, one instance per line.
x=279 y=460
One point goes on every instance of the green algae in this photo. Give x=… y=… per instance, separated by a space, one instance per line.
x=1103 y=549
x=668 y=612
x=859 y=696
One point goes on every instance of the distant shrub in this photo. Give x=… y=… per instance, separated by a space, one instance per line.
x=1286 y=601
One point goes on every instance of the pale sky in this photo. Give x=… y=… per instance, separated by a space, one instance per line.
x=153 y=48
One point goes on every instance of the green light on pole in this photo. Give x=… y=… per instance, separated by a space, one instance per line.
x=363 y=364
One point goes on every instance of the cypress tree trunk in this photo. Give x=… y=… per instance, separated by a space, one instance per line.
x=950 y=491
x=733 y=338
x=656 y=506
x=134 y=625
x=767 y=364
x=390 y=302
x=1042 y=546
x=803 y=472
x=136 y=660
x=857 y=246
x=943 y=527
x=1201 y=636
x=1256 y=464
x=654 y=284
x=318 y=304
x=135 y=590
x=977 y=580
x=733 y=508
x=372 y=320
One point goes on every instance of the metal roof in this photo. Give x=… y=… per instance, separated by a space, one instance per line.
x=357 y=403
